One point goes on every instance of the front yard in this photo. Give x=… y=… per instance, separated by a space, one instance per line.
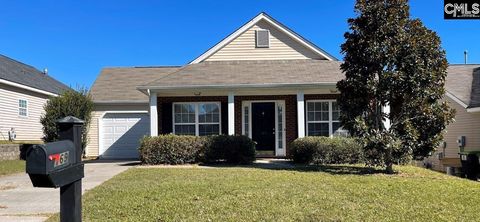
x=334 y=193
x=11 y=166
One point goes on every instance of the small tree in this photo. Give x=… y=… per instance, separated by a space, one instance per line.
x=391 y=59
x=69 y=103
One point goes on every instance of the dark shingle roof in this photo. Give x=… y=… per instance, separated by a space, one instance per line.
x=27 y=75
x=463 y=81
x=245 y=73
x=120 y=84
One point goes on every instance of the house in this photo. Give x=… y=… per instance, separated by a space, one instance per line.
x=463 y=94
x=264 y=81
x=24 y=91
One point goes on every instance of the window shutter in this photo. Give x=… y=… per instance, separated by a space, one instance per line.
x=262 y=38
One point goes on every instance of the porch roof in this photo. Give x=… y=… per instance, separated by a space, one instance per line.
x=267 y=73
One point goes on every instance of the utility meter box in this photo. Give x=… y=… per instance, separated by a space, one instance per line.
x=461 y=140
x=53 y=164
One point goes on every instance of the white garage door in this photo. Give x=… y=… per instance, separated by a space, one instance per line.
x=121 y=133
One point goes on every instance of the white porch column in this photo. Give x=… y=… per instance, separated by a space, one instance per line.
x=231 y=113
x=153 y=114
x=301 y=114
x=386 y=122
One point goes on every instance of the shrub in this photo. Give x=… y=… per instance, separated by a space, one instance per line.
x=170 y=149
x=231 y=149
x=174 y=149
x=326 y=150
x=69 y=103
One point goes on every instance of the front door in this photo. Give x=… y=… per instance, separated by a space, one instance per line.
x=263 y=126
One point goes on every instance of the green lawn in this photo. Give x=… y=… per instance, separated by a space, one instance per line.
x=333 y=193
x=11 y=166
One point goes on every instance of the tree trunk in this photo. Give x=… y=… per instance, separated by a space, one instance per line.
x=389 y=168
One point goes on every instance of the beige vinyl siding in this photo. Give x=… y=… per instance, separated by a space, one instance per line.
x=466 y=124
x=281 y=47
x=26 y=128
x=99 y=111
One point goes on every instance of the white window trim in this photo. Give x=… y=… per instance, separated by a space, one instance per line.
x=197 y=122
x=26 y=108
x=330 y=115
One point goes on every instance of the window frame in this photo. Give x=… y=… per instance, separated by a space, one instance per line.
x=20 y=107
x=330 y=115
x=197 y=123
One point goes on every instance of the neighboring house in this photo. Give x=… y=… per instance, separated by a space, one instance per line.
x=463 y=94
x=23 y=92
x=264 y=81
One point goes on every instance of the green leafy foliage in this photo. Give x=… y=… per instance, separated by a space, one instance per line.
x=175 y=149
x=391 y=59
x=76 y=103
x=232 y=149
x=326 y=150
x=171 y=149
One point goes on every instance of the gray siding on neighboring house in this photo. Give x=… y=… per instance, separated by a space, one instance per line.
x=26 y=128
x=281 y=47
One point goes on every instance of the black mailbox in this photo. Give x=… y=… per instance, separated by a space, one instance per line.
x=59 y=164
x=53 y=164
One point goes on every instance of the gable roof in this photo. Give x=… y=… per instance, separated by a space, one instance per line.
x=463 y=84
x=119 y=85
x=21 y=75
x=257 y=73
x=263 y=16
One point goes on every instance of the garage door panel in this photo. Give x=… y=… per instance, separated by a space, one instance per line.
x=122 y=133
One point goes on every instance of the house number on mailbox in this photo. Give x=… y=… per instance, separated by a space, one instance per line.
x=59 y=159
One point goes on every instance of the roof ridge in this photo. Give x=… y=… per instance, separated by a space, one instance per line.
x=140 y=67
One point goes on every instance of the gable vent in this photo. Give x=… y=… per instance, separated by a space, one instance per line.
x=262 y=38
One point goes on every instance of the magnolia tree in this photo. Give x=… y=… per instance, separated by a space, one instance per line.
x=393 y=60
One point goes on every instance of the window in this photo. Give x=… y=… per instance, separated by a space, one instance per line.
x=200 y=119
x=322 y=118
x=262 y=39
x=246 y=120
x=22 y=107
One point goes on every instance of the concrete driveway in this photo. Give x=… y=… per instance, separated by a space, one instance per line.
x=20 y=201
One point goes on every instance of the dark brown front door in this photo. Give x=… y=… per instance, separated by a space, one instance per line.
x=263 y=125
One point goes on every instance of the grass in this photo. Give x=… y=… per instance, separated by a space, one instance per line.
x=11 y=166
x=330 y=193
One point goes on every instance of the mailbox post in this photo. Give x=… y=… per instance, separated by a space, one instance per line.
x=59 y=164
x=70 y=128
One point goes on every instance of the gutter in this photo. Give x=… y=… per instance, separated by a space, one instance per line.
x=27 y=88
x=239 y=86
x=473 y=110
x=116 y=102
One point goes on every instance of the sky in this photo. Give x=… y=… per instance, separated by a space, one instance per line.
x=75 y=39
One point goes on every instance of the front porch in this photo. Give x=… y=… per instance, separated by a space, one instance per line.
x=273 y=121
